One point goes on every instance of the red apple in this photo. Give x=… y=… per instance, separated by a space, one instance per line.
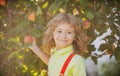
x=31 y=16
x=86 y=24
x=28 y=39
x=2 y=2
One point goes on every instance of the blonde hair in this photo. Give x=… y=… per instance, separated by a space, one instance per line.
x=80 y=38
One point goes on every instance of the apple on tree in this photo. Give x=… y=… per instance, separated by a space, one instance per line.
x=31 y=16
x=2 y=2
x=28 y=39
x=86 y=24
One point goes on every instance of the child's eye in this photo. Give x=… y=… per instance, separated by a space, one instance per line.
x=69 y=32
x=59 y=31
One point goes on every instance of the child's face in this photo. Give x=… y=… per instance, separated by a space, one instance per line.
x=63 y=36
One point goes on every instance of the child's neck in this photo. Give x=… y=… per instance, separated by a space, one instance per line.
x=59 y=48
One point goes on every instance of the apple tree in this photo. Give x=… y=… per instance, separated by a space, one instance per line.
x=19 y=18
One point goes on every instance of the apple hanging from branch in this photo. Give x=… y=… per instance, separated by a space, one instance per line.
x=28 y=39
x=2 y=2
x=86 y=24
x=31 y=16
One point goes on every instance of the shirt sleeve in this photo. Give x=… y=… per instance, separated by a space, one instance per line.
x=79 y=68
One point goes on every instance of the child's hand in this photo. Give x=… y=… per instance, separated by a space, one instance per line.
x=30 y=39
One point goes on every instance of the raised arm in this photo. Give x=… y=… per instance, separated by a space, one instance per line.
x=43 y=56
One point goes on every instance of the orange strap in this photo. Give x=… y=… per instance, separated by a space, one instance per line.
x=66 y=64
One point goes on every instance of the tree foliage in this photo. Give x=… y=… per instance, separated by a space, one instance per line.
x=21 y=17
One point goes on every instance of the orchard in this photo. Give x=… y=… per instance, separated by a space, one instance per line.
x=21 y=19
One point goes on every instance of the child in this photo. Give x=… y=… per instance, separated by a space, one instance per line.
x=63 y=37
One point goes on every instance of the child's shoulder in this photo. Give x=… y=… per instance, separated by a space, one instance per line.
x=78 y=57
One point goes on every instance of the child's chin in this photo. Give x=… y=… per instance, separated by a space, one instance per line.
x=64 y=46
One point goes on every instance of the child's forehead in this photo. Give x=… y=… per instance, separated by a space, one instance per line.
x=66 y=25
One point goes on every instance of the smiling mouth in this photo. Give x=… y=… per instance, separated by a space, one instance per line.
x=63 y=40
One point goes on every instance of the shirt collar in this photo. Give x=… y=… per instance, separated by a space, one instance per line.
x=61 y=51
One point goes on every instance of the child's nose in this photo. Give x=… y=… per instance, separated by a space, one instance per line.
x=63 y=35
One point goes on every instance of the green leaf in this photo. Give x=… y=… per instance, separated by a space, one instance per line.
x=102 y=47
x=94 y=59
x=111 y=39
x=26 y=45
x=89 y=15
x=15 y=40
x=39 y=11
x=103 y=28
x=54 y=7
x=91 y=33
x=11 y=55
x=91 y=48
x=45 y=5
x=117 y=53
